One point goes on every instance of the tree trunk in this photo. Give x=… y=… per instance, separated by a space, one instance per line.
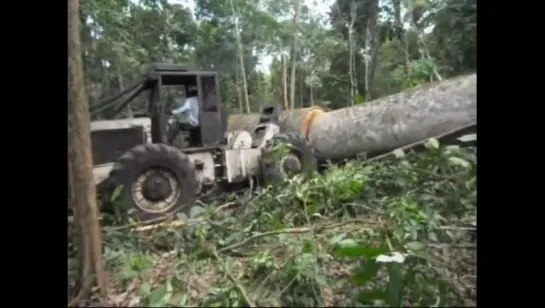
x=424 y=53
x=351 y=57
x=239 y=89
x=311 y=95
x=129 y=114
x=293 y=53
x=285 y=82
x=374 y=46
x=396 y=120
x=80 y=164
x=366 y=59
x=240 y=52
x=301 y=92
x=400 y=33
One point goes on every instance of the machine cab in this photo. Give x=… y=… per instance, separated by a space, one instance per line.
x=212 y=119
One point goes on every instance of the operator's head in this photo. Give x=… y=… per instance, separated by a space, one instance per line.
x=191 y=90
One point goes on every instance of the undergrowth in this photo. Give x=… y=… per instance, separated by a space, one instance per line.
x=395 y=232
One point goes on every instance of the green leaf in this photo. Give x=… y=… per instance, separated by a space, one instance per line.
x=320 y=279
x=182 y=217
x=452 y=148
x=145 y=290
x=459 y=162
x=359 y=99
x=178 y=300
x=337 y=238
x=432 y=143
x=160 y=296
x=116 y=193
x=349 y=248
x=368 y=297
x=395 y=286
x=196 y=211
x=415 y=246
x=366 y=272
x=468 y=138
x=398 y=153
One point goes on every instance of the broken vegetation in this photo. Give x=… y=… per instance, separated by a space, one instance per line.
x=395 y=232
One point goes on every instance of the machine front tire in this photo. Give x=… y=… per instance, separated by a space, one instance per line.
x=156 y=180
x=279 y=165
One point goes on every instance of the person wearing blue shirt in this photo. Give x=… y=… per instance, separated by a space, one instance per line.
x=190 y=108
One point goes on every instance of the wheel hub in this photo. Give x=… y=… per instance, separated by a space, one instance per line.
x=156 y=187
x=156 y=191
x=291 y=164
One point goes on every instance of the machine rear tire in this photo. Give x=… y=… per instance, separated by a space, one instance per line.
x=156 y=179
x=299 y=159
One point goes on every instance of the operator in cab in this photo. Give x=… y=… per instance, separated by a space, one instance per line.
x=190 y=109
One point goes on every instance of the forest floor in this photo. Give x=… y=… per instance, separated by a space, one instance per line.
x=399 y=232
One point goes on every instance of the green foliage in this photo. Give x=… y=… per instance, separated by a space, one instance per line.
x=120 y=37
x=396 y=232
x=420 y=72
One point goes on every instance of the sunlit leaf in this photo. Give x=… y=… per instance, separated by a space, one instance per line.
x=459 y=162
x=415 y=246
x=432 y=143
x=350 y=248
x=468 y=138
x=399 y=153
x=116 y=193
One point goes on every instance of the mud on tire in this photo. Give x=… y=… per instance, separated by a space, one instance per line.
x=280 y=165
x=155 y=179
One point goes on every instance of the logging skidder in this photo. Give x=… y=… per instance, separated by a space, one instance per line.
x=158 y=176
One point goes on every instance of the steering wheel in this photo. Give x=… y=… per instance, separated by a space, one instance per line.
x=171 y=121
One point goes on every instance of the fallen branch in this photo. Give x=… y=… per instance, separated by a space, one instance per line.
x=179 y=223
x=287 y=231
x=234 y=280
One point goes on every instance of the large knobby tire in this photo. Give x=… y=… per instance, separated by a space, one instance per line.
x=156 y=180
x=280 y=165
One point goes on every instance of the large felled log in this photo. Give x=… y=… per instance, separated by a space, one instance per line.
x=396 y=120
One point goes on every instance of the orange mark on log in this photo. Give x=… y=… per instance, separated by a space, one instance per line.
x=313 y=113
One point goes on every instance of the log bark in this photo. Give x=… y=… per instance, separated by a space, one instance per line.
x=396 y=120
x=80 y=164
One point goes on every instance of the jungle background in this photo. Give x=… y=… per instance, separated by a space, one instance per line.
x=332 y=53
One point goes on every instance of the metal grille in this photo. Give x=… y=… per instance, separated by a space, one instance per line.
x=112 y=143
